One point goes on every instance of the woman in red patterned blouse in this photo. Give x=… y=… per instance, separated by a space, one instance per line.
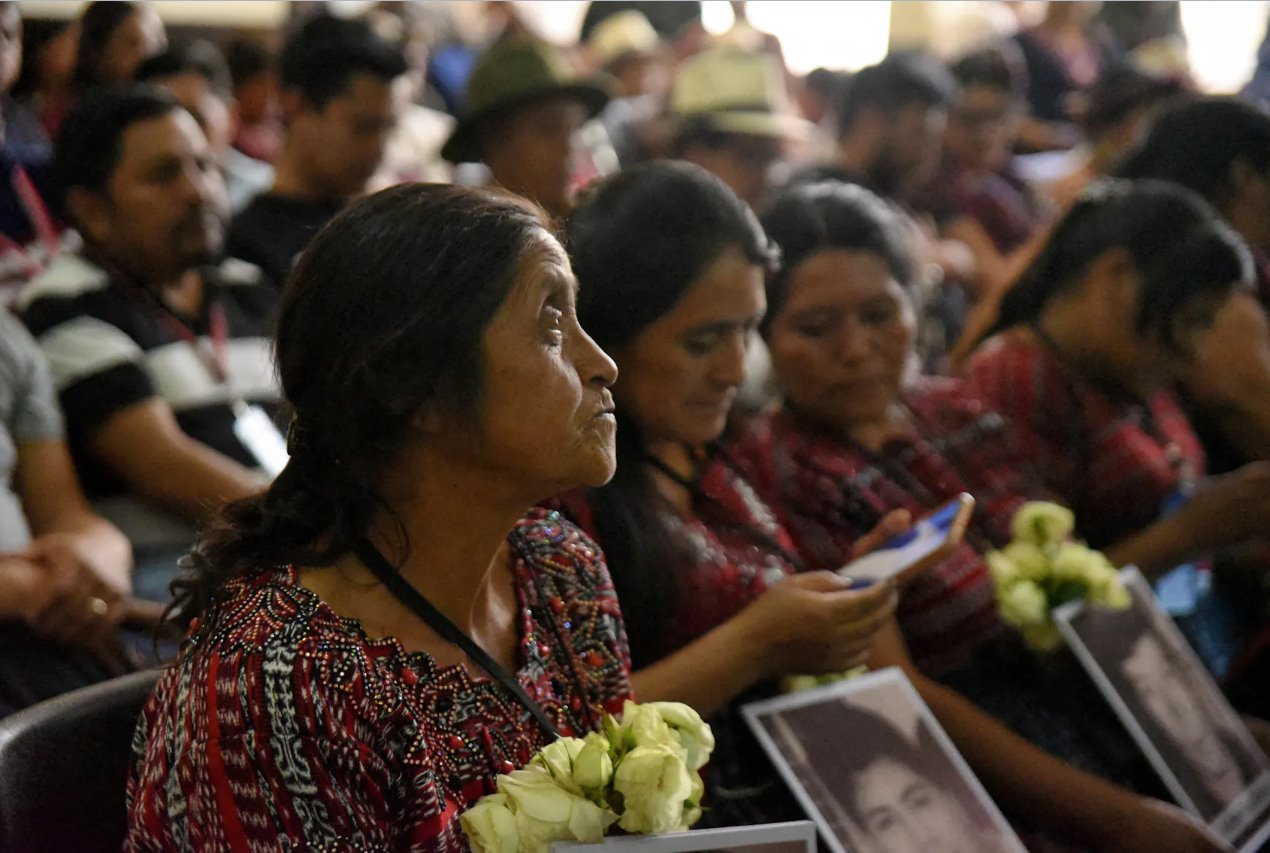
x=858 y=436
x=1089 y=342
x=671 y=266
x=441 y=386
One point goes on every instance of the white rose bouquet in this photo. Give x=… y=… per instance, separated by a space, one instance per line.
x=1043 y=568
x=640 y=775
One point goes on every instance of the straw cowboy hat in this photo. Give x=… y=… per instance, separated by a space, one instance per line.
x=621 y=35
x=516 y=71
x=735 y=91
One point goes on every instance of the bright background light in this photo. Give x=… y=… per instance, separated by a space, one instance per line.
x=1222 y=40
x=840 y=35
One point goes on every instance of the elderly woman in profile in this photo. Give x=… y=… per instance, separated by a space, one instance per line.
x=328 y=693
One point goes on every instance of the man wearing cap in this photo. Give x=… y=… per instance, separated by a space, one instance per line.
x=524 y=107
x=730 y=116
x=625 y=47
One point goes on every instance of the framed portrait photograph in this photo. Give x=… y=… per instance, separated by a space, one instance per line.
x=876 y=772
x=794 y=837
x=1174 y=711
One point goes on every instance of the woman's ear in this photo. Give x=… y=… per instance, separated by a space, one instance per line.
x=1114 y=280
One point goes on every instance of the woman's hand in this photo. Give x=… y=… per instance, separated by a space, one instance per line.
x=1161 y=828
x=892 y=524
x=812 y=623
x=1229 y=509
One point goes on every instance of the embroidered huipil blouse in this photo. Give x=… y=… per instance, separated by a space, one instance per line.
x=284 y=726
x=828 y=492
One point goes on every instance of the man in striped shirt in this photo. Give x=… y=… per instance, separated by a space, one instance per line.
x=156 y=350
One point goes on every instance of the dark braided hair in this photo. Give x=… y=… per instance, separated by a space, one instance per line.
x=384 y=312
x=1182 y=250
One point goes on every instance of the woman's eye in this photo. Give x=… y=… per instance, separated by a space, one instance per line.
x=878 y=315
x=555 y=319
x=814 y=330
x=699 y=346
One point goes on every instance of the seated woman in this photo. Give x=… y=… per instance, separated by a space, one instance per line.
x=672 y=265
x=325 y=696
x=1088 y=344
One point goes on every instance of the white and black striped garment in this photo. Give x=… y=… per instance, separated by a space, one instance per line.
x=110 y=348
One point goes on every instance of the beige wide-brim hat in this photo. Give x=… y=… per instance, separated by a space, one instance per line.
x=623 y=34
x=514 y=72
x=736 y=91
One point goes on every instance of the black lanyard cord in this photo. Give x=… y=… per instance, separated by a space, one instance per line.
x=731 y=518
x=412 y=599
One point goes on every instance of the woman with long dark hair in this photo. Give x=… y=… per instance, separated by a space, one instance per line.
x=441 y=385
x=671 y=266
x=857 y=434
x=114 y=39
x=1089 y=342
x=719 y=599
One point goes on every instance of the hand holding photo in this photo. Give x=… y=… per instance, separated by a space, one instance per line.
x=1174 y=711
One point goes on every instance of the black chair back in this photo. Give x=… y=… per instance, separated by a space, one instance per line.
x=63 y=767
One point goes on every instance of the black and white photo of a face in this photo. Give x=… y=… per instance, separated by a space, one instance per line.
x=900 y=810
x=877 y=773
x=1168 y=699
x=1172 y=709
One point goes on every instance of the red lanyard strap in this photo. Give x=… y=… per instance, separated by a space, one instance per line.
x=217 y=359
x=36 y=210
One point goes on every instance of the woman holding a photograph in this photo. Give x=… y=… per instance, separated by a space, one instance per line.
x=719 y=601
x=882 y=790
x=1178 y=707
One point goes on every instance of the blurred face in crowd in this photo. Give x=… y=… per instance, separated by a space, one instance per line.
x=163 y=208
x=640 y=74
x=342 y=144
x=1248 y=203
x=681 y=374
x=1110 y=296
x=57 y=59
x=530 y=151
x=209 y=109
x=902 y=811
x=545 y=412
x=841 y=342
x=744 y=162
x=257 y=98
x=982 y=127
x=10 y=45
x=906 y=144
x=138 y=38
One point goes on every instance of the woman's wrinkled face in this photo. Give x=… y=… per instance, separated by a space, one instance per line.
x=545 y=418
x=903 y=811
x=841 y=343
x=681 y=374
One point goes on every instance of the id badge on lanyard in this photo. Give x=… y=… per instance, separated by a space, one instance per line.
x=252 y=425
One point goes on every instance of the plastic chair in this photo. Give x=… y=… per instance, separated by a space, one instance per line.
x=63 y=766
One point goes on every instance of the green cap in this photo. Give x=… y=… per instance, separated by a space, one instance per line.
x=513 y=72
